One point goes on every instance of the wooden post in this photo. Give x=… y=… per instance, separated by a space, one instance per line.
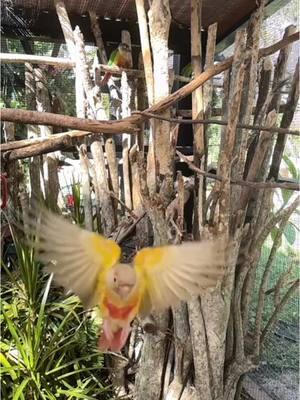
x=50 y=162
x=159 y=24
x=98 y=36
x=69 y=38
x=32 y=130
x=146 y=51
x=249 y=90
x=86 y=188
x=107 y=214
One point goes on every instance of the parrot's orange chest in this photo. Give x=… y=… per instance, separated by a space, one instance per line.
x=118 y=312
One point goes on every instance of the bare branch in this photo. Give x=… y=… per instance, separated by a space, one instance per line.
x=254 y=185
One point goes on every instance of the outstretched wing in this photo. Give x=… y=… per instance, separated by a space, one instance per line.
x=74 y=255
x=172 y=273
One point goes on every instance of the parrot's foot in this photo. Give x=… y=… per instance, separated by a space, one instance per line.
x=114 y=341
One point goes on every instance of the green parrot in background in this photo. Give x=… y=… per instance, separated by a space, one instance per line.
x=187 y=71
x=120 y=57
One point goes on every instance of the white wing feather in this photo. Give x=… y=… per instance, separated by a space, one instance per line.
x=174 y=273
x=75 y=256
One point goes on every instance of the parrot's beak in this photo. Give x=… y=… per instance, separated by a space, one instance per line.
x=124 y=290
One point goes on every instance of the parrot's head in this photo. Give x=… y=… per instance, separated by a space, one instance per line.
x=124 y=48
x=122 y=279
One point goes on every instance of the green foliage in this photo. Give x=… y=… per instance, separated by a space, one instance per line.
x=48 y=347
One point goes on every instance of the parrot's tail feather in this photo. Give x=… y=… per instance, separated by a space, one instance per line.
x=115 y=342
x=105 y=79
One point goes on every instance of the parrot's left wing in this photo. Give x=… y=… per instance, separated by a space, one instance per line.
x=172 y=273
x=75 y=256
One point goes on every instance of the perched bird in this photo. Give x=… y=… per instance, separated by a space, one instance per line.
x=89 y=265
x=121 y=57
x=187 y=71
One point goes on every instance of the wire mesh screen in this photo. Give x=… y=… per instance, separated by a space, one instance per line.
x=277 y=377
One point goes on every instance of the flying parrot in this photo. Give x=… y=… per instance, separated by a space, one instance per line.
x=88 y=264
x=121 y=57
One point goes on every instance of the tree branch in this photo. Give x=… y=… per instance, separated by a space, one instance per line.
x=180 y=121
x=279 y=309
x=254 y=185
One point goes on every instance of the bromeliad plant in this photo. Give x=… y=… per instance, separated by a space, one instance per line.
x=48 y=348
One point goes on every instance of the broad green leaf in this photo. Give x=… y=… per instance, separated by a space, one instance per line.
x=290 y=233
x=291 y=167
x=286 y=195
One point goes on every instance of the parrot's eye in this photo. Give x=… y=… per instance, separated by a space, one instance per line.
x=115 y=279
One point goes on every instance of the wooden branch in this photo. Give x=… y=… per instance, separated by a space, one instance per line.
x=286 y=121
x=280 y=70
x=29 y=142
x=227 y=153
x=14 y=58
x=112 y=161
x=107 y=214
x=98 y=36
x=215 y=70
x=274 y=129
x=259 y=156
x=279 y=309
x=272 y=221
x=48 y=145
x=146 y=51
x=248 y=92
x=254 y=185
x=86 y=191
x=66 y=27
x=64 y=121
x=197 y=95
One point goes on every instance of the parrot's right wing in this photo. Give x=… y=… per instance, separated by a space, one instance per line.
x=75 y=256
x=172 y=273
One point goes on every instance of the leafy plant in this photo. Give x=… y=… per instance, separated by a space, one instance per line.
x=48 y=347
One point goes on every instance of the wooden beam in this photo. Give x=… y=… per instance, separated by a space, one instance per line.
x=44 y=118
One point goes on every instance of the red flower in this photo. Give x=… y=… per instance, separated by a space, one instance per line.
x=70 y=200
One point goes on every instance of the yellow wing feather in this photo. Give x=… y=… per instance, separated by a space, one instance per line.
x=74 y=255
x=173 y=273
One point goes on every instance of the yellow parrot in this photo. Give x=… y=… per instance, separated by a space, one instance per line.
x=88 y=264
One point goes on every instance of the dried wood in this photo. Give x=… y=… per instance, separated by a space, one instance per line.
x=159 y=25
x=262 y=104
x=249 y=89
x=251 y=184
x=258 y=158
x=66 y=27
x=98 y=36
x=112 y=162
x=107 y=214
x=235 y=93
x=286 y=121
x=274 y=129
x=46 y=146
x=95 y=105
x=14 y=58
x=32 y=130
x=142 y=228
x=146 y=51
x=86 y=188
x=45 y=118
x=280 y=70
x=43 y=104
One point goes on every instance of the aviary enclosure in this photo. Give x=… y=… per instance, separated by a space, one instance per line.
x=141 y=188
